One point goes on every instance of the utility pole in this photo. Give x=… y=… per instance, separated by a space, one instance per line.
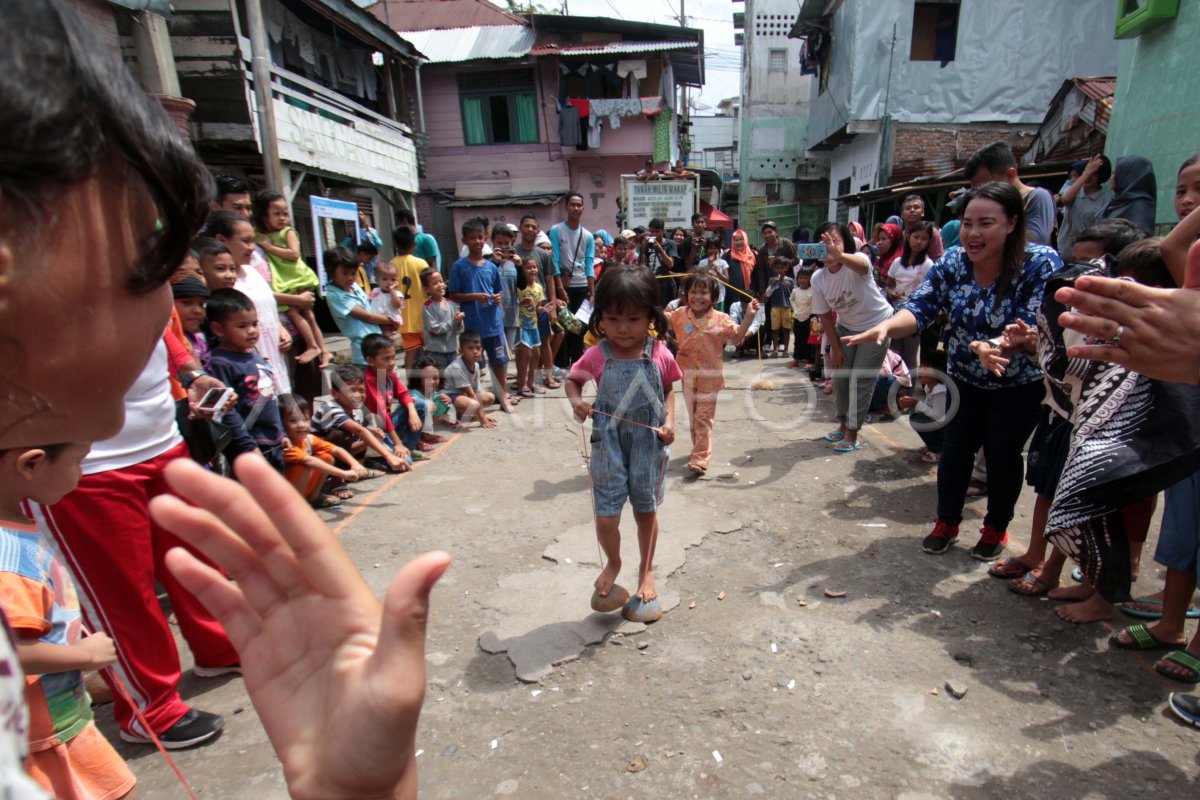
x=260 y=68
x=685 y=143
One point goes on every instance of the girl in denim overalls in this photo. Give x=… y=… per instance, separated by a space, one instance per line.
x=633 y=418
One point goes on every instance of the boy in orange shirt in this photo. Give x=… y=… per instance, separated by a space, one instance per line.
x=310 y=461
x=69 y=757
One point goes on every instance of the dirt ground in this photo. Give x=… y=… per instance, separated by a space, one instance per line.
x=767 y=686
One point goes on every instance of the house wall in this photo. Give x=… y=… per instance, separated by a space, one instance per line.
x=1155 y=112
x=857 y=160
x=1011 y=58
x=536 y=167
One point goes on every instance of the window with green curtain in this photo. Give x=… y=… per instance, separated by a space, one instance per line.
x=473 y=125
x=498 y=108
x=527 y=127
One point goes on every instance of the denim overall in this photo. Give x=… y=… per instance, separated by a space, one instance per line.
x=628 y=461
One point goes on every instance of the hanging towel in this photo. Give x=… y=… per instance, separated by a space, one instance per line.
x=667 y=86
x=651 y=105
x=582 y=105
x=568 y=125
x=662 y=137
x=593 y=136
x=634 y=68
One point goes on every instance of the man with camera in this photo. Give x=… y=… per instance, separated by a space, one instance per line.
x=660 y=255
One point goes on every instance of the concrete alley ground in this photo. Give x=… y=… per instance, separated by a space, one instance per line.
x=756 y=682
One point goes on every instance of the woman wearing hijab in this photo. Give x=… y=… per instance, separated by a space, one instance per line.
x=860 y=235
x=742 y=263
x=890 y=243
x=950 y=233
x=1134 y=193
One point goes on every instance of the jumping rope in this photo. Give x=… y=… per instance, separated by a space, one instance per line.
x=137 y=713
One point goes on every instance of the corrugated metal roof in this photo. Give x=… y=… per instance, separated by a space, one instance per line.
x=608 y=48
x=472 y=44
x=420 y=15
x=500 y=202
x=1099 y=89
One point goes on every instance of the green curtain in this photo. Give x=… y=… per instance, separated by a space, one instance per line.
x=527 y=128
x=662 y=136
x=472 y=112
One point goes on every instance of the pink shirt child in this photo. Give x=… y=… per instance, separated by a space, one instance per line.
x=591 y=365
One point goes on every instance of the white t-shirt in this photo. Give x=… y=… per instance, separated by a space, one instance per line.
x=381 y=303
x=908 y=278
x=14 y=726
x=150 y=428
x=856 y=298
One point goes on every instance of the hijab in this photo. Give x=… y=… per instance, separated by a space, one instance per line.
x=895 y=235
x=745 y=256
x=950 y=233
x=1134 y=193
x=860 y=235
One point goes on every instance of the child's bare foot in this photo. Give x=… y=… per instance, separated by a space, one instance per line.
x=647 y=591
x=308 y=355
x=1094 y=609
x=508 y=406
x=326 y=357
x=1072 y=593
x=608 y=576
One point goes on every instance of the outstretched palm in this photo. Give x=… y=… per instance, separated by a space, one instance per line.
x=337 y=677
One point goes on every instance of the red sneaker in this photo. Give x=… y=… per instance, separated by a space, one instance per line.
x=990 y=545
x=939 y=541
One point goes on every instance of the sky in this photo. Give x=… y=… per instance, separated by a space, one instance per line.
x=722 y=61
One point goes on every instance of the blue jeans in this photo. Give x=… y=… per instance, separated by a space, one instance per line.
x=409 y=437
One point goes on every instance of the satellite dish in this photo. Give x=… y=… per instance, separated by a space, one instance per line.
x=365 y=3
x=696 y=105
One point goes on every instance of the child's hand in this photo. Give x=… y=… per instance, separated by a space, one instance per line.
x=99 y=649
x=754 y=306
x=351 y=475
x=582 y=411
x=376 y=432
x=395 y=464
x=359 y=472
x=486 y=422
x=285 y=340
x=445 y=398
x=906 y=403
x=414 y=421
x=496 y=298
x=666 y=432
x=459 y=317
x=401 y=451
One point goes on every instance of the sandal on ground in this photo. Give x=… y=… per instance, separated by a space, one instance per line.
x=553 y=384
x=1139 y=637
x=834 y=436
x=372 y=474
x=1030 y=585
x=976 y=489
x=1009 y=568
x=327 y=502
x=424 y=447
x=847 y=447
x=342 y=493
x=1180 y=658
x=538 y=389
x=1186 y=707
x=433 y=438
x=931 y=458
x=527 y=392
x=697 y=469
x=1155 y=612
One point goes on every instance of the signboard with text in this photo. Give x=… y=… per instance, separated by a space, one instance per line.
x=673 y=200
x=333 y=222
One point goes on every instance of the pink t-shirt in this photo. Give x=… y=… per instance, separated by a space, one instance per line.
x=590 y=366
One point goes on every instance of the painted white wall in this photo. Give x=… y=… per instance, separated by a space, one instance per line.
x=857 y=160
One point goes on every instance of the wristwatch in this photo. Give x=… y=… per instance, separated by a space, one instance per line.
x=187 y=380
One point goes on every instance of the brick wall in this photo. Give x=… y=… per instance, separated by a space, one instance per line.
x=921 y=150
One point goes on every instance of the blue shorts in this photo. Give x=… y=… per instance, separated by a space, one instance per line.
x=495 y=350
x=530 y=338
x=1179 y=538
x=543 y=325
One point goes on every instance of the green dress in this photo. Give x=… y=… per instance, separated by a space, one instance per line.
x=288 y=277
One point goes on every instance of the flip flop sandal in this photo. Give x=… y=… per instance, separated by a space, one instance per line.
x=327 y=502
x=527 y=392
x=847 y=447
x=931 y=458
x=977 y=489
x=539 y=390
x=1183 y=659
x=1186 y=707
x=834 y=436
x=1145 y=613
x=1029 y=586
x=1009 y=569
x=372 y=474
x=343 y=493
x=1140 y=639
x=1077 y=575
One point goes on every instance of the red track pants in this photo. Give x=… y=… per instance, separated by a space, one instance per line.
x=115 y=554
